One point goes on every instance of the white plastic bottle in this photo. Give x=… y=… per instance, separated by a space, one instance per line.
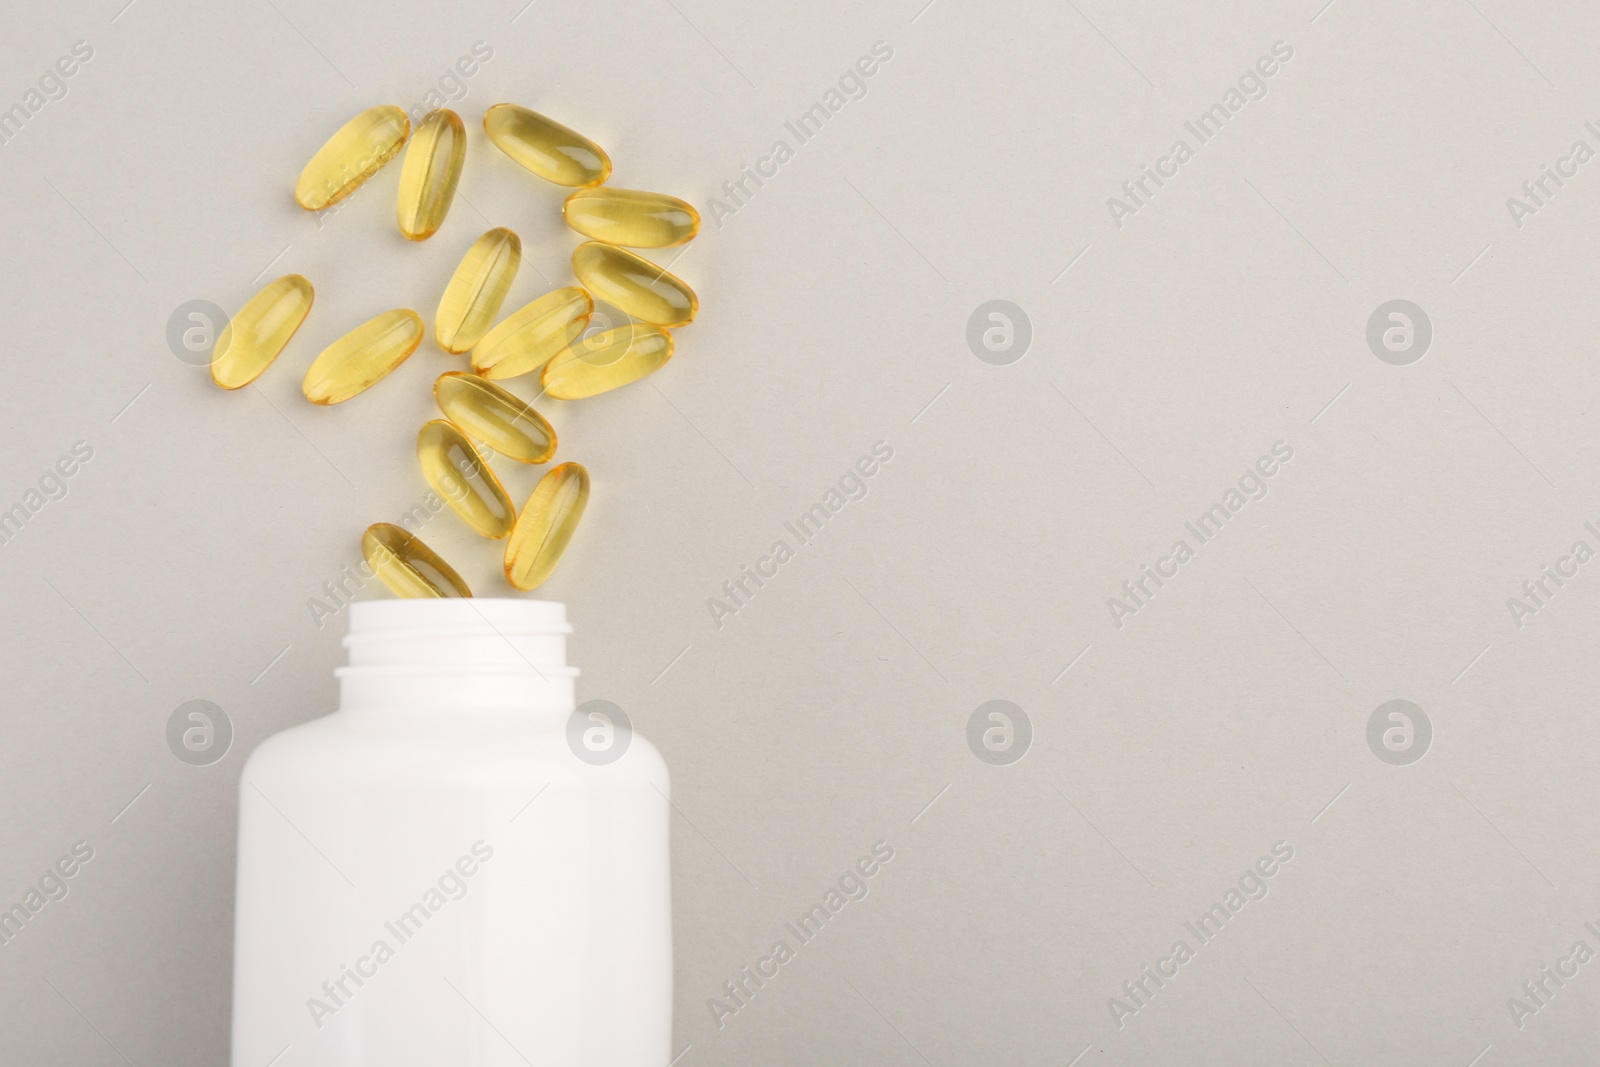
x=453 y=868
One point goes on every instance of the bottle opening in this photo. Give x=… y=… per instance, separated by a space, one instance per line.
x=455 y=650
x=459 y=631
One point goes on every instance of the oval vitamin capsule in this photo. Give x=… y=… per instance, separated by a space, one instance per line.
x=630 y=217
x=430 y=174
x=525 y=339
x=458 y=474
x=407 y=566
x=545 y=525
x=485 y=411
x=259 y=331
x=363 y=356
x=476 y=290
x=351 y=156
x=606 y=360
x=546 y=147
x=633 y=284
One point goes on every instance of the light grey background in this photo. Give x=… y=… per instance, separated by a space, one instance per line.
x=1227 y=314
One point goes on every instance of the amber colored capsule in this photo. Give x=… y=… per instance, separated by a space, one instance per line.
x=363 y=356
x=633 y=284
x=458 y=473
x=351 y=156
x=407 y=566
x=476 y=290
x=502 y=420
x=630 y=217
x=546 y=524
x=606 y=360
x=525 y=339
x=546 y=147
x=259 y=330
x=430 y=174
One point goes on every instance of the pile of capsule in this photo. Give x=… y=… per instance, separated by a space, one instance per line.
x=546 y=335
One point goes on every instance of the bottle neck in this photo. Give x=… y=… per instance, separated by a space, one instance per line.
x=455 y=655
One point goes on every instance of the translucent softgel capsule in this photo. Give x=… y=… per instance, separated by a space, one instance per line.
x=606 y=360
x=407 y=566
x=488 y=413
x=430 y=174
x=351 y=156
x=546 y=147
x=458 y=474
x=632 y=218
x=633 y=284
x=476 y=290
x=525 y=339
x=546 y=524
x=363 y=356
x=257 y=333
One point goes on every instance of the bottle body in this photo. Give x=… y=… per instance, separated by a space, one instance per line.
x=432 y=884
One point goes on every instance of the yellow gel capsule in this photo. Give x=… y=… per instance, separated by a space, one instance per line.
x=546 y=524
x=407 y=566
x=259 y=330
x=633 y=284
x=351 y=156
x=546 y=147
x=632 y=218
x=606 y=360
x=502 y=420
x=525 y=339
x=363 y=356
x=458 y=473
x=476 y=290
x=431 y=172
